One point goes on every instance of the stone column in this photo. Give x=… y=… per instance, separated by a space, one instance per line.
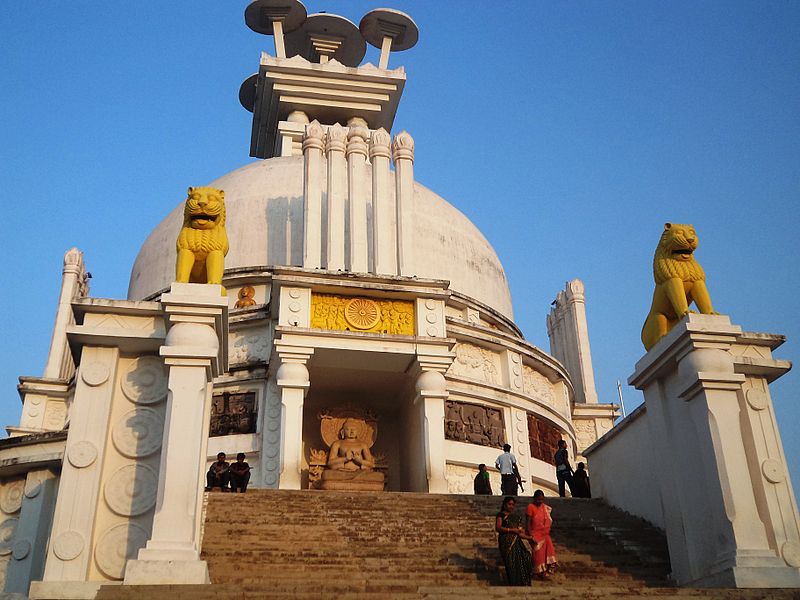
x=69 y=552
x=335 y=142
x=293 y=381
x=720 y=529
x=312 y=195
x=73 y=284
x=403 y=153
x=357 y=193
x=195 y=352
x=384 y=228
x=569 y=340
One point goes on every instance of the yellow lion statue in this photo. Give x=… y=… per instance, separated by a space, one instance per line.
x=202 y=243
x=679 y=281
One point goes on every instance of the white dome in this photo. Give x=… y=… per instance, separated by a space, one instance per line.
x=264 y=222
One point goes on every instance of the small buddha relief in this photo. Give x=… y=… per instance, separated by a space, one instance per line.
x=349 y=463
x=246 y=297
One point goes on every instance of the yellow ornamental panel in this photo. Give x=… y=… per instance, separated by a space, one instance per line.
x=347 y=313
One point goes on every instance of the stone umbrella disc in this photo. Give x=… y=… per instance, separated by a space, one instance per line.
x=257 y=15
x=350 y=52
x=247 y=92
x=386 y=21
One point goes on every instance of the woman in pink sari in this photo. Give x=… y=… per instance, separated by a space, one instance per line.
x=539 y=523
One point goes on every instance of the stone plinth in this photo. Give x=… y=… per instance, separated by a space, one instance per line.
x=729 y=509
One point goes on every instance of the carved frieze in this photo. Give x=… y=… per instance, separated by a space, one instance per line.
x=476 y=362
x=474 y=424
x=343 y=313
x=249 y=346
x=537 y=386
x=543 y=438
x=585 y=432
x=233 y=413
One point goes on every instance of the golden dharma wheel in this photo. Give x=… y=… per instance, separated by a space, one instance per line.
x=362 y=313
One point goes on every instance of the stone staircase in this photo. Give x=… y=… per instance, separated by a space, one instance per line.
x=271 y=544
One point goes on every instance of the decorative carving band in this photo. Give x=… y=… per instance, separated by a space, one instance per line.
x=131 y=490
x=82 y=454
x=117 y=546
x=343 y=313
x=68 y=545
x=138 y=433
x=11 y=496
x=94 y=373
x=474 y=424
x=7 y=530
x=145 y=381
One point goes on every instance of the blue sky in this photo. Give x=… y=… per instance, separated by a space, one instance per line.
x=568 y=132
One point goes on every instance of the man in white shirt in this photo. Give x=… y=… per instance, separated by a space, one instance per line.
x=509 y=473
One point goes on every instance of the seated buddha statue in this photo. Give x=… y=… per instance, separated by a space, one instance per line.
x=350 y=463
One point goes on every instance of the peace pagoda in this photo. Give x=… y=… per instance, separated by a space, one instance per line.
x=359 y=336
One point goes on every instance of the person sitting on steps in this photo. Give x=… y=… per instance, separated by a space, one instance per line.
x=218 y=475
x=239 y=474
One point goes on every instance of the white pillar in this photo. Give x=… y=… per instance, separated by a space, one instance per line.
x=312 y=195
x=193 y=351
x=293 y=381
x=73 y=284
x=431 y=389
x=403 y=152
x=357 y=192
x=384 y=228
x=718 y=466
x=336 y=140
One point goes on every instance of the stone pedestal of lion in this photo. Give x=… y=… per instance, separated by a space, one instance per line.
x=349 y=463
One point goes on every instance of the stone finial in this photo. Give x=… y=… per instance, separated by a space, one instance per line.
x=313 y=139
x=403 y=147
x=336 y=138
x=357 y=140
x=379 y=144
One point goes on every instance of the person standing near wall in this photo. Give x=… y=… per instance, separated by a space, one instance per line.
x=509 y=473
x=482 y=485
x=563 y=468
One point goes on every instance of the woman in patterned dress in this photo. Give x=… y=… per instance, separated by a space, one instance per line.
x=515 y=553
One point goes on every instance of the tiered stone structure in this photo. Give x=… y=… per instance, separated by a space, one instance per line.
x=568 y=331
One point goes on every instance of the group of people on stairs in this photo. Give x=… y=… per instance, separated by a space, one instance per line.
x=521 y=563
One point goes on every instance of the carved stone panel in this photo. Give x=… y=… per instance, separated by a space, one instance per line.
x=342 y=313
x=537 y=386
x=477 y=363
x=233 y=413
x=543 y=438
x=474 y=424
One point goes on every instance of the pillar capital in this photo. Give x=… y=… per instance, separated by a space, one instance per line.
x=196 y=319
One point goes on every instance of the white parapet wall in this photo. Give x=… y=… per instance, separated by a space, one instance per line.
x=707 y=454
x=623 y=469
